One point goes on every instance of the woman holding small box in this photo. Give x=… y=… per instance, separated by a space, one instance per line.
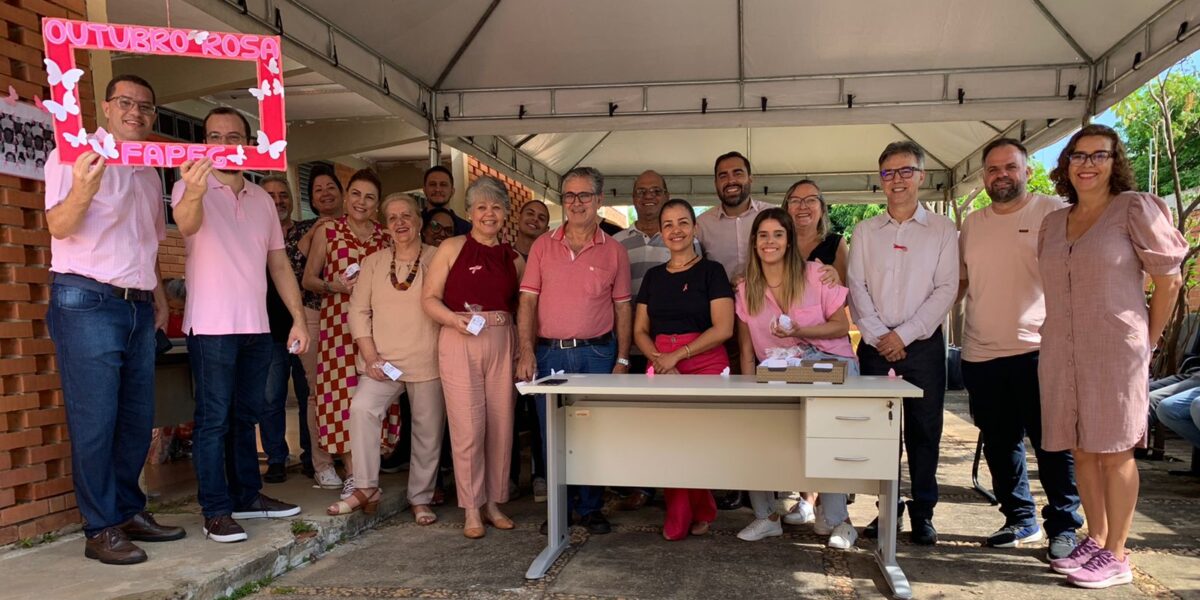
x=471 y=290
x=782 y=307
x=396 y=352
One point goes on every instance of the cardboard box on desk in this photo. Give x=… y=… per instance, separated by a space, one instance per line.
x=809 y=371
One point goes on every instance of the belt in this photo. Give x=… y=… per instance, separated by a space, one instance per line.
x=87 y=283
x=575 y=343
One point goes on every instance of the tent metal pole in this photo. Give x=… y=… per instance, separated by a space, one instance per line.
x=1066 y=35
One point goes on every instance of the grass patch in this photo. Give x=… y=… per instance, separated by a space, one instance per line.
x=247 y=589
x=27 y=542
x=303 y=529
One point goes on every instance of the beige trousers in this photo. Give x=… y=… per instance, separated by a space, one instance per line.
x=367 y=410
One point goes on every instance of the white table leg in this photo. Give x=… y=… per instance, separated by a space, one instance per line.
x=556 y=478
x=885 y=554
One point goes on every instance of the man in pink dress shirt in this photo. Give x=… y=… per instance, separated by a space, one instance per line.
x=233 y=239
x=105 y=305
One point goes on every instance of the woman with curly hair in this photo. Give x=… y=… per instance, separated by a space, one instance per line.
x=1098 y=335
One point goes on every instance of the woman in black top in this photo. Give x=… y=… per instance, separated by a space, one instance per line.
x=684 y=316
x=814 y=231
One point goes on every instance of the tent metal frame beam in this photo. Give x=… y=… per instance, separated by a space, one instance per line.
x=500 y=154
x=1062 y=31
x=910 y=138
x=466 y=43
x=1033 y=133
x=1175 y=44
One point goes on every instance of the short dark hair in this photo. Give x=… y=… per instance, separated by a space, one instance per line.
x=437 y=169
x=225 y=110
x=316 y=171
x=733 y=154
x=369 y=176
x=130 y=78
x=427 y=216
x=672 y=203
x=904 y=147
x=1004 y=141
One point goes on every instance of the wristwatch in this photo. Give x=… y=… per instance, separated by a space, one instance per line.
x=624 y=362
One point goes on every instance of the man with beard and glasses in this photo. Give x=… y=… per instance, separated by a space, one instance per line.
x=724 y=231
x=1005 y=308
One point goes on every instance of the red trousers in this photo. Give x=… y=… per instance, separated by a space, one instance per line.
x=684 y=506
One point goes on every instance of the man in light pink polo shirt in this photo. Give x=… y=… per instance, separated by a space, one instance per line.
x=575 y=314
x=105 y=305
x=232 y=232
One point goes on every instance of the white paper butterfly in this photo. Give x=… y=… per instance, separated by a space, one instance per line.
x=77 y=140
x=69 y=106
x=260 y=92
x=12 y=96
x=238 y=158
x=104 y=144
x=198 y=35
x=56 y=76
x=265 y=145
x=277 y=88
x=273 y=65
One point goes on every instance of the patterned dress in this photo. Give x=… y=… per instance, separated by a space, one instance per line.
x=337 y=376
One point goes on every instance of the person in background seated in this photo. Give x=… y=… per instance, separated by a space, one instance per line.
x=684 y=316
x=780 y=282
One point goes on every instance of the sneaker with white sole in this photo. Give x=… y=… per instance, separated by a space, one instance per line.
x=539 y=489
x=223 y=529
x=327 y=479
x=1102 y=571
x=348 y=488
x=1083 y=552
x=843 y=536
x=1015 y=536
x=759 y=529
x=266 y=507
x=820 y=526
x=802 y=513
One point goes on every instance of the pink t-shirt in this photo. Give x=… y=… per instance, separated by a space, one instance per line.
x=818 y=304
x=227 y=260
x=117 y=242
x=576 y=292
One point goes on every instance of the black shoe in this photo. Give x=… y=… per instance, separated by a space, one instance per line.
x=1061 y=545
x=276 y=473
x=730 y=501
x=143 y=528
x=923 y=533
x=871 y=531
x=596 y=524
x=308 y=471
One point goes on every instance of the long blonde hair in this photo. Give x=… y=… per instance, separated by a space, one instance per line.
x=792 y=288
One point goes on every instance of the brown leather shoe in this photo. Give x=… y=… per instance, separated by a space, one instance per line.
x=143 y=528
x=111 y=547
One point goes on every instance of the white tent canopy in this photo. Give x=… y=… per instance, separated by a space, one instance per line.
x=803 y=87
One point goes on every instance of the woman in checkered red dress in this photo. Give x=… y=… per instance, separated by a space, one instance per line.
x=336 y=246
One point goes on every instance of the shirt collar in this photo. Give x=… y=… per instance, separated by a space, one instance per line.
x=561 y=231
x=215 y=184
x=755 y=206
x=921 y=217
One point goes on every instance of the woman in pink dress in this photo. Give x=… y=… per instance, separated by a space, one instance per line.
x=1096 y=341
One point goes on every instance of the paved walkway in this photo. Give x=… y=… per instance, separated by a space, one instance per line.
x=400 y=560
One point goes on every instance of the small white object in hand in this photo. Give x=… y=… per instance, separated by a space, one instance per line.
x=295 y=347
x=785 y=322
x=476 y=325
x=391 y=371
x=351 y=271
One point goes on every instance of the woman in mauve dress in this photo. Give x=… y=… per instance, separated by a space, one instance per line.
x=1096 y=342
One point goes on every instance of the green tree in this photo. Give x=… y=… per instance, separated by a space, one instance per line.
x=1139 y=119
x=846 y=216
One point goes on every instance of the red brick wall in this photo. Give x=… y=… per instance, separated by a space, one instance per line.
x=171 y=254
x=35 y=457
x=518 y=194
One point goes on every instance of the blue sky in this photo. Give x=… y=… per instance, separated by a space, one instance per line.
x=1049 y=155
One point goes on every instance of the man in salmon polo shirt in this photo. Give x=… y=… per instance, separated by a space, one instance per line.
x=574 y=314
x=105 y=224
x=233 y=239
x=1005 y=308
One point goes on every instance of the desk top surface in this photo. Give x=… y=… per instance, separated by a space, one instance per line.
x=719 y=385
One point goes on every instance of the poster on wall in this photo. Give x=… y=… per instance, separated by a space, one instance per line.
x=26 y=137
x=63 y=38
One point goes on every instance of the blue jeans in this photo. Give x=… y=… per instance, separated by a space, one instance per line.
x=105 y=350
x=1181 y=413
x=600 y=358
x=272 y=426
x=1006 y=405
x=231 y=381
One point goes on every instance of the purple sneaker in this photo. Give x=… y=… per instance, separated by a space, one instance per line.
x=1102 y=571
x=1074 y=561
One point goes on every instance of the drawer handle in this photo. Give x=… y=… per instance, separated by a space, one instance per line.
x=845 y=418
x=851 y=458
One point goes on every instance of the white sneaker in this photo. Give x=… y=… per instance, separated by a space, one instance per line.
x=843 y=536
x=347 y=488
x=539 y=489
x=802 y=513
x=820 y=526
x=327 y=480
x=759 y=529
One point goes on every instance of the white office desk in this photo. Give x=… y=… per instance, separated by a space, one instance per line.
x=715 y=432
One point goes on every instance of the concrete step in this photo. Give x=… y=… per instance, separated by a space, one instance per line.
x=195 y=567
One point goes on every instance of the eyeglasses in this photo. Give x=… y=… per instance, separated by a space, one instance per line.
x=1078 y=159
x=436 y=227
x=805 y=201
x=126 y=104
x=581 y=197
x=229 y=138
x=649 y=192
x=903 y=172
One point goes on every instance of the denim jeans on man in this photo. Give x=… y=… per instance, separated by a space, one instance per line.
x=1006 y=405
x=597 y=358
x=105 y=355
x=231 y=382
x=272 y=425
x=1181 y=413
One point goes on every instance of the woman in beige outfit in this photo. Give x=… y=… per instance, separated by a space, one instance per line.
x=1096 y=341
x=395 y=339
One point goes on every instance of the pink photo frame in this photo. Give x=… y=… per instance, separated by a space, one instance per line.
x=63 y=37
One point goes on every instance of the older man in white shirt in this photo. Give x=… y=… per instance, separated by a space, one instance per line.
x=903 y=279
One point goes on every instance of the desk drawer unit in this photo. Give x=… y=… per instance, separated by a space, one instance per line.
x=848 y=458
x=864 y=418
